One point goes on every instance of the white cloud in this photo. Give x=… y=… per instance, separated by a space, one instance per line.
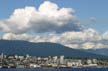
x=105 y=36
x=83 y=39
x=88 y=45
x=3 y=26
x=47 y=18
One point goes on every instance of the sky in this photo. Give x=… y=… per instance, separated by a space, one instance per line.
x=84 y=10
x=57 y=20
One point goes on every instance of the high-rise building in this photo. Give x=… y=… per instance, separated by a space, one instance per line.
x=89 y=61
x=55 y=59
x=27 y=56
x=62 y=59
x=2 y=56
x=16 y=56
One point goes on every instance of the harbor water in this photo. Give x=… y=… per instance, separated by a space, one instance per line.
x=45 y=69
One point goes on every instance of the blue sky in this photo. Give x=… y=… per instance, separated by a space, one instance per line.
x=84 y=9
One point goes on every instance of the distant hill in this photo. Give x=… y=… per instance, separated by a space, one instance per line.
x=102 y=51
x=11 y=47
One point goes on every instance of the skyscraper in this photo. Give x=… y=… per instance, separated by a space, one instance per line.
x=62 y=59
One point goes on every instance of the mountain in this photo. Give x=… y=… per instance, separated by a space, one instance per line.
x=11 y=47
x=102 y=51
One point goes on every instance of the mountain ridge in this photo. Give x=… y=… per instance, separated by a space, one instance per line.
x=19 y=47
x=101 y=51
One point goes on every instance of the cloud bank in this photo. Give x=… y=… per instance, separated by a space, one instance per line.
x=89 y=39
x=47 y=18
x=58 y=25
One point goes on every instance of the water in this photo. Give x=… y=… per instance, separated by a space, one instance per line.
x=73 y=69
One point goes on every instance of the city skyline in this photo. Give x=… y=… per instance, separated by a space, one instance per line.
x=28 y=61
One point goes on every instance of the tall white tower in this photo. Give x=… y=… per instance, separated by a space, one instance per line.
x=2 y=56
x=62 y=59
x=55 y=59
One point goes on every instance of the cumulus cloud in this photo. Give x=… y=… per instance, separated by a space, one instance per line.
x=47 y=18
x=105 y=36
x=79 y=40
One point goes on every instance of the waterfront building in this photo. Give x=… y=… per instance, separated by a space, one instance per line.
x=89 y=61
x=55 y=59
x=62 y=59
x=27 y=56
x=16 y=56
